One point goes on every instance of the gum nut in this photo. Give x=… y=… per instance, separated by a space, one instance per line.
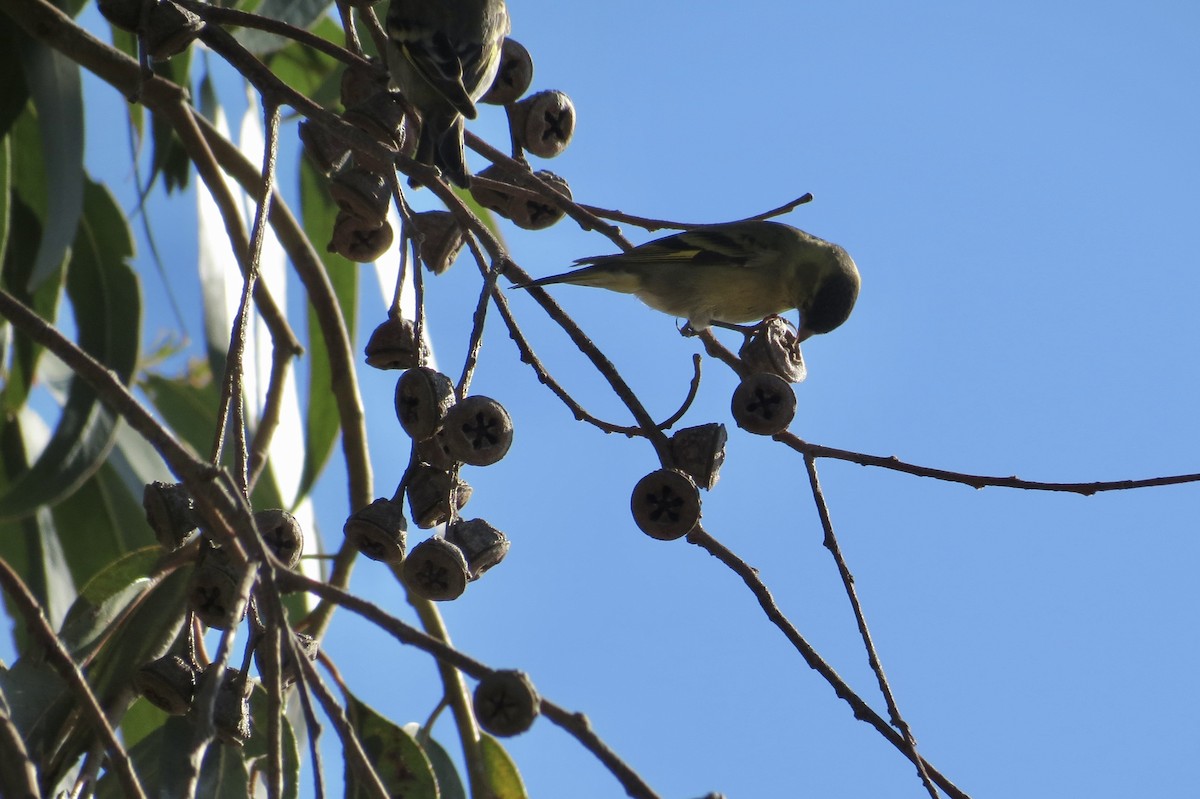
x=666 y=504
x=393 y=345
x=378 y=531
x=493 y=195
x=544 y=123
x=482 y=545
x=764 y=404
x=169 y=683
x=231 y=712
x=436 y=570
x=441 y=239
x=429 y=492
x=423 y=398
x=700 y=451
x=532 y=213
x=477 y=431
x=170 y=30
x=355 y=239
x=282 y=533
x=170 y=512
x=382 y=116
x=289 y=669
x=327 y=153
x=506 y=703
x=213 y=589
x=361 y=193
x=433 y=452
x=514 y=75
x=774 y=348
x=360 y=83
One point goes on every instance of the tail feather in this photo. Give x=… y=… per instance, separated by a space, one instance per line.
x=599 y=274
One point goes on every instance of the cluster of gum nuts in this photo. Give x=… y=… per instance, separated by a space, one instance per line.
x=215 y=599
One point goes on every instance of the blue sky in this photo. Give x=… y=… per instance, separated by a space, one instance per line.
x=1017 y=184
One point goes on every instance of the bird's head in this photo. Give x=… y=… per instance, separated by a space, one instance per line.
x=836 y=292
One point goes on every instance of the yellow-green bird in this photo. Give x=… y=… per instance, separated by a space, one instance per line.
x=732 y=273
x=443 y=56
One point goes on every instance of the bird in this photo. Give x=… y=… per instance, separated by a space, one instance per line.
x=729 y=274
x=443 y=56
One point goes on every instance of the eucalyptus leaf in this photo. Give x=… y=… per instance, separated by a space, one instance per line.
x=257 y=747
x=402 y=765
x=450 y=785
x=298 y=13
x=504 y=780
x=107 y=308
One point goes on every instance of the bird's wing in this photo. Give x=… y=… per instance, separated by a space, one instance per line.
x=702 y=247
x=442 y=63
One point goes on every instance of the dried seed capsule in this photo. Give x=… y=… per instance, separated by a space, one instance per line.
x=430 y=490
x=433 y=452
x=477 y=431
x=764 y=404
x=514 y=75
x=393 y=345
x=289 y=669
x=700 y=451
x=544 y=123
x=482 y=545
x=282 y=533
x=506 y=703
x=362 y=193
x=666 y=504
x=169 y=683
x=170 y=512
x=326 y=151
x=423 y=398
x=436 y=570
x=537 y=213
x=441 y=239
x=231 y=712
x=213 y=588
x=170 y=29
x=383 y=117
x=358 y=240
x=378 y=530
x=494 y=197
x=775 y=348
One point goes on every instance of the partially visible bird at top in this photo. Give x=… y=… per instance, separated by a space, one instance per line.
x=730 y=274
x=443 y=56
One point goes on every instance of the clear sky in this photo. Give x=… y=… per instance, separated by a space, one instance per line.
x=1018 y=185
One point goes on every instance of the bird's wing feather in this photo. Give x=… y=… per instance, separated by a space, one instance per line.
x=441 y=65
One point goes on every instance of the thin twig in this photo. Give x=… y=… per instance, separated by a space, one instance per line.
x=976 y=480
x=35 y=619
x=650 y=224
x=862 y=710
x=356 y=757
x=831 y=543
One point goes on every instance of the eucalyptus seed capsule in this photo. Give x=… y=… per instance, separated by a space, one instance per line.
x=666 y=504
x=774 y=347
x=393 y=345
x=700 y=451
x=213 y=590
x=764 y=403
x=430 y=493
x=506 y=703
x=436 y=570
x=423 y=398
x=514 y=75
x=282 y=533
x=169 y=683
x=482 y=545
x=378 y=531
x=477 y=430
x=544 y=123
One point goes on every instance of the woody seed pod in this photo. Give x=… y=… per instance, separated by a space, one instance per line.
x=477 y=431
x=436 y=570
x=483 y=545
x=544 y=123
x=282 y=533
x=666 y=504
x=537 y=213
x=775 y=348
x=170 y=512
x=423 y=398
x=381 y=116
x=170 y=29
x=764 y=404
x=514 y=75
x=359 y=240
x=289 y=669
x=231 y=712
x=213 y=588
x=362 y=193
x=326 y=152
x=430 y=492
x=494 y=197
x=359 y=83
x=700 y=451
x=441 y=239
x=393 y=345
x=506 y=703
x=169 y=683
x=378 y=530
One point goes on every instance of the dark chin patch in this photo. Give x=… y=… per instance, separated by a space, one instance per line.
x=832 y=304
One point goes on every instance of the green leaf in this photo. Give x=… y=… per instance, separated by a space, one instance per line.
x=5 y=188
x=450 y=784
x=403 y=767
x=257 y=746
x=188 y=403
x=169 y=158
x=57 y=90
x=106 y=597
x=323 y=423
x=311 y=72
x=503 y=779
x=300 y=13
x=159 y=760
x=107 y=308
x=14 y=94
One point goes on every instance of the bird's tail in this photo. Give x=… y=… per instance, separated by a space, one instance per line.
x=601 y=273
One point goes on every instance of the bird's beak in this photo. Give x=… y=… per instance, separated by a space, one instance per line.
x=803 y=334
